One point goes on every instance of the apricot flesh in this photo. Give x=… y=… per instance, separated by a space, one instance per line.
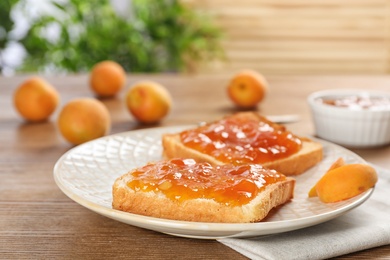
x=345 y=182
x=339 y=162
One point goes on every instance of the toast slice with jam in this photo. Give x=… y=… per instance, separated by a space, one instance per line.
x=183 y=189
x=245 y=138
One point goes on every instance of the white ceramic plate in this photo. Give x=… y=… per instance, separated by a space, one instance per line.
x=86 y=174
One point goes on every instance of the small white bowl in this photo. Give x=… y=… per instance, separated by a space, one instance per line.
x=351 y=127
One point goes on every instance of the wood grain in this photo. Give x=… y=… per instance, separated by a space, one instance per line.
x=302 y=36
x=37 y=221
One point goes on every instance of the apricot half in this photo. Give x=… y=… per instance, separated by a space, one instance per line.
x=345 y=182
x=339 y=162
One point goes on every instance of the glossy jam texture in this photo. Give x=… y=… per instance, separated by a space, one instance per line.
x=184 y=179
x=362 y=102
x=240 y=141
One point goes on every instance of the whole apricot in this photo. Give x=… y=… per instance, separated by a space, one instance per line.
x=35 y=99
x=107 y=78
x=247 y=89
x=84 y=119
x=345 y=182
x=148 y=101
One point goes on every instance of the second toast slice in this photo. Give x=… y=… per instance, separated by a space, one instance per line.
x=242 y=138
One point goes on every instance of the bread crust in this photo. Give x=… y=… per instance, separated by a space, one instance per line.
x=156 y=204
x=309 y=155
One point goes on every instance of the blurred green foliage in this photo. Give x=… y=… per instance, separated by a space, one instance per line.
x=6 y=25
x=6 y=22
x=157 y=36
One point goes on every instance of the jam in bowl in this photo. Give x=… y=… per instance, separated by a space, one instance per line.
x=352 y=118
x=361 y=101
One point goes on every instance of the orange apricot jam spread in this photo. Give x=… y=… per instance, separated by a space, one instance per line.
x=239 y=141
x=184 y=179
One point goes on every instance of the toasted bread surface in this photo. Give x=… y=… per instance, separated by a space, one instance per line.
x=156 y=204
x=310 y=153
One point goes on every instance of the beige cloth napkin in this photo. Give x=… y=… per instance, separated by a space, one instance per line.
x=364 y=227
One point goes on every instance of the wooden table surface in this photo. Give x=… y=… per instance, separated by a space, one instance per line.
x=38 y=221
